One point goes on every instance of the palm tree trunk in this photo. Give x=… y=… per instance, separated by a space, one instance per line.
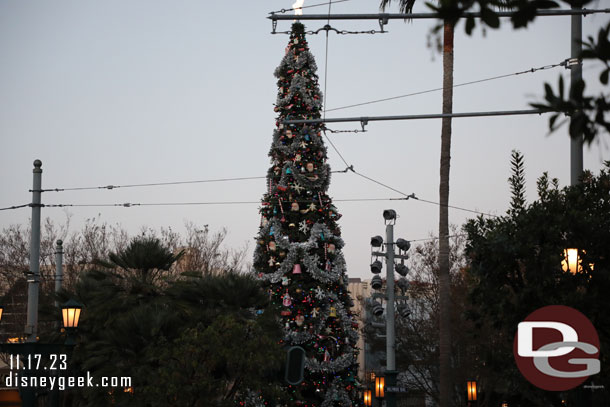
x=446 y=384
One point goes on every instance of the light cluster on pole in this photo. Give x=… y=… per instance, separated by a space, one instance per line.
x=388 y=251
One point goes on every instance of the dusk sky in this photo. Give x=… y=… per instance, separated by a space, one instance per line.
x=147 y=91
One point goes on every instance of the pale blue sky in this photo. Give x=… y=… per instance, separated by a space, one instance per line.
x=119 y=92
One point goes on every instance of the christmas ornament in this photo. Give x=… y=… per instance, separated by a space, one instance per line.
x=333 y=312
x=320 y=293
x=309 y=167
x=303 y=226
x=285 y=280
x=326 y=356
x=272 y=261
x=287 y=301
x=331 y=248
x=296 y=269
x=300 y=319
x=294 y=207
x=272 y=246
x=297 y=188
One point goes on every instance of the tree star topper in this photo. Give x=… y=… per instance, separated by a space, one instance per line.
x=298 y=7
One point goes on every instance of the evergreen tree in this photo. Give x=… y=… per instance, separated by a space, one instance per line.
x=298 y=254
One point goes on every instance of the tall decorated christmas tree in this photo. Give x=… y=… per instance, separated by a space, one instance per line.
x=298 y=252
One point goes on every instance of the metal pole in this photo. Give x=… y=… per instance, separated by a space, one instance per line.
x=31 y=327
x=390 y=379
x=364 y=119
x=576 y=139
x=418 y=16
x=59 y=268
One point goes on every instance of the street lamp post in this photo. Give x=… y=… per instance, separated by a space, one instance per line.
x=71 y=311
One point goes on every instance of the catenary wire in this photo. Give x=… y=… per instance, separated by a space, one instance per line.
x=531 y=70
x=406 y=197
x=129 y=204
x=435 y=238
x=154 y=184
x=326 y=95
x=14 y=207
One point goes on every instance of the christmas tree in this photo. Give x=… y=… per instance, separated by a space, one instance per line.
x=298 y=252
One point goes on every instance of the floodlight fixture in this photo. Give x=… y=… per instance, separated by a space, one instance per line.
x=403 y=284
x=376 y=241
x=376 y=282
x=403 y=244
x=376 y=267
x=401 y=269
x=404 y=311
x=389 y=214
x=377 y=309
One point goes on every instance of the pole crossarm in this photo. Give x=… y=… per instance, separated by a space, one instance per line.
x=418 y=16
x=364 y=120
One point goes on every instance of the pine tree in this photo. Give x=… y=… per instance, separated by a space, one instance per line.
x=298 y=253
x=517 y=182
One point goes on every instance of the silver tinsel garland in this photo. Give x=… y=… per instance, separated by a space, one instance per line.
x=336 y=395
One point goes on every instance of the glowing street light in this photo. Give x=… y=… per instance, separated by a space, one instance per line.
x=471 y=388
x=380 y=387
x=367 y=398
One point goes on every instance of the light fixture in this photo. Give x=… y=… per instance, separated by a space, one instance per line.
x=471 y=388
x=377 y=309
x=403 y=284
x=572 y=261
x=389 y=214
x=380 y=387
x=401 y=269
x=376 y=282
x=376 y=267
x=1 y=309
x=71 y=314
x=403 y=244
x=376 y=241
x=404 y=311
x=367 y=398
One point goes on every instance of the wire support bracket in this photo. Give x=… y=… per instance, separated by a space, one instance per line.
x=365 y=120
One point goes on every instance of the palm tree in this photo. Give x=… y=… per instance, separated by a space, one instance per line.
x=145 y=258
x=406 y=6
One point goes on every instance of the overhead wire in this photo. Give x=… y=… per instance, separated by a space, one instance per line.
x=531 y=70
x=152 y=184
x=130 y=204
x=14 y=207
x=412 y=196
x=326 y=95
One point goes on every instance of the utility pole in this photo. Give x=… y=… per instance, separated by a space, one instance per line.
x=33 y=278
x=59 y=267
x=576 y=140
